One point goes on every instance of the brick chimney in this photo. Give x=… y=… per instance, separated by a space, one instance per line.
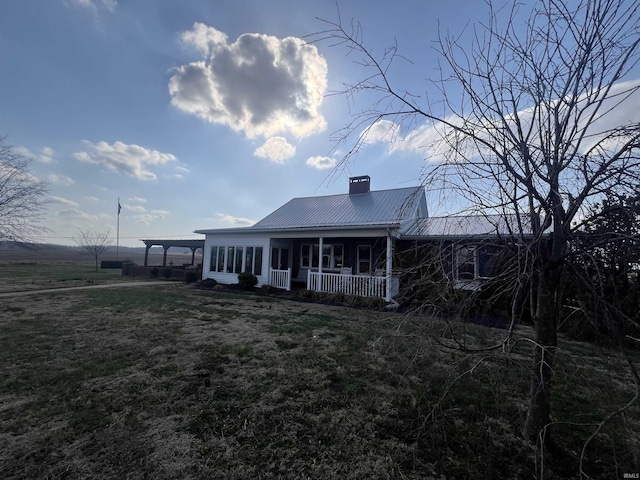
x=360 y=184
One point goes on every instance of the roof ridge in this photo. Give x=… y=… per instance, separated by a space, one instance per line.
x=352 y=194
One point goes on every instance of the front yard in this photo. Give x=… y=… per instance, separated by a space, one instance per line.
x=174 y=382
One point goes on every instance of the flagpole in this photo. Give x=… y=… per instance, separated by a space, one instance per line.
x=118 y=230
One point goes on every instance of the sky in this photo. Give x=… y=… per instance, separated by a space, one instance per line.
x=199 y=114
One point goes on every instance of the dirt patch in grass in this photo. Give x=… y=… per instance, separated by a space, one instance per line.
x=176 y=382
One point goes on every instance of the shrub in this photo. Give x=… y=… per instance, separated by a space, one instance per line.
x=190 y=276
x=247 y=280
x=168 y=272
x=154 y=272
x=268 y=289
x=209 y=283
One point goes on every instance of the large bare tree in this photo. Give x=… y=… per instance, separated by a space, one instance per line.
x=525 y=128
x=21 y=197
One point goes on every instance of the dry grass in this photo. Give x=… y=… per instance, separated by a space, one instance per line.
x=176 y=382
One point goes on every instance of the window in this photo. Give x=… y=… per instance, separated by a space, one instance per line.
x=364 y=258
x=213 y=259
x=337 y=256
x=248 y=259
x=221 y=252
x=230 y=257
x=238 y=259
x=465 y=263
x=331 y=256
x=257 y=266
x=305 y=256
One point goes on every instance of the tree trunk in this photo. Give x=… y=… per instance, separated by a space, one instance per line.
x=548 y=294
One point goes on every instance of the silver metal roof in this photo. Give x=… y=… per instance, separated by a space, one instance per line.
x=466 y=226
x=382 y=207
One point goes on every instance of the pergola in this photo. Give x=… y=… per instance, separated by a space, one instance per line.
x=167 y=244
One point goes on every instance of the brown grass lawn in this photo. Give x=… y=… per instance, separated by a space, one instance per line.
x=172 y=382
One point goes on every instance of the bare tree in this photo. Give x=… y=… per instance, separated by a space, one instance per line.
x=21 y=195
x=94 y=242
x=526 y=129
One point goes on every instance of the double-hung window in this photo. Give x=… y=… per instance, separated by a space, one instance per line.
x=465 y=263
x=364 y=259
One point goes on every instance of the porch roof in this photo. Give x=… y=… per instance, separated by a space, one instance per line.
x=468 y=226
x=310 y=229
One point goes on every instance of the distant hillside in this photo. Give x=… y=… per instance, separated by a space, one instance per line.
x=4 y=245
x=11 y=252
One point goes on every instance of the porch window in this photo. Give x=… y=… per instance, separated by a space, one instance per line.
x=364 y=259
x=238 y=259
x=239 y=252
x=213 y=259
x=332 y=255
x=230 y=257
x=221 y=252
x=257 y=266
x=248 y=260
x=305 y=255
x=466 y=263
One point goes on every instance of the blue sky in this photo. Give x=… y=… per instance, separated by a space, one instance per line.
x=176 y=107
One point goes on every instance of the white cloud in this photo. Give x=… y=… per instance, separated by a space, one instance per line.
x=259 y=84
x=134 y=208
x=63 y=201
x=148 y=218
x=75 y=214
x=94 y=5
x=235 y=221
x=427 y=139
x=382 y=131
x=92 y=198
x=321 y=163
x=59 y=179
x=276 y=149
x=133 y=160
x=45 y=155
x=137 y=199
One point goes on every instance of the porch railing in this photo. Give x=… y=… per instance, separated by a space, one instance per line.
x=360 y=285
x=281 y=278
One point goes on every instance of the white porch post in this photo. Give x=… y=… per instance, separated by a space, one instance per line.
x=387 y=296
x=320 y=241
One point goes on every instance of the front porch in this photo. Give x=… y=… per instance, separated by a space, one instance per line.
x=347 y=284
x=334 y=265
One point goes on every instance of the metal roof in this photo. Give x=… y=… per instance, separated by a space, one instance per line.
x=467 y=226
x=382 y=207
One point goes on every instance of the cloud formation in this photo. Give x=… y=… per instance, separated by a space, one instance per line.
x=45 y=155
x=59 y=179
x=132 y=160
x=258 y=85
x=321 y=163
x=94 y=5
x=149 y=217
x=276 y=149
x=62 y=201
x=235 y=221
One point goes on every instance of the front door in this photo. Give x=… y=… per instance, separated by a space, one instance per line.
x=279 y=258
